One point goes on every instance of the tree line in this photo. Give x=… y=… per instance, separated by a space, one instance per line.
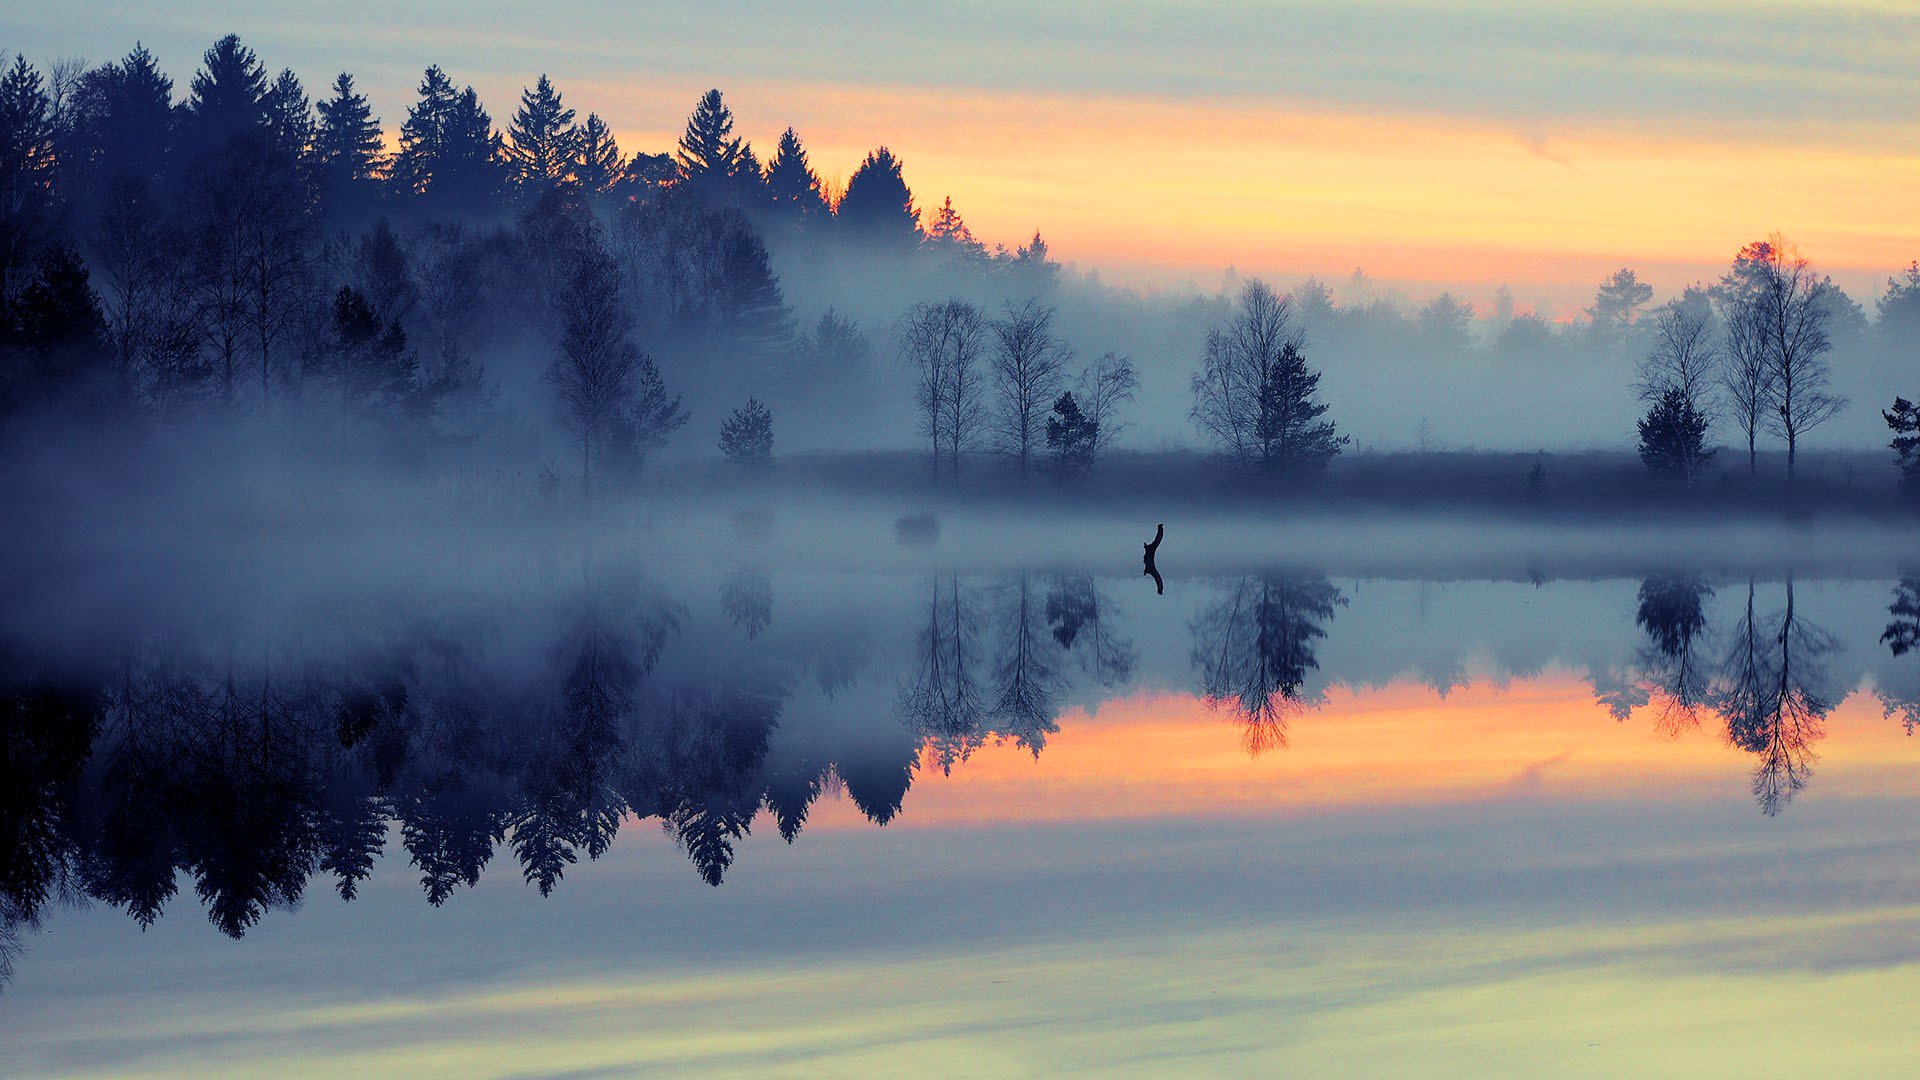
x=247 y=251
x=248 y=254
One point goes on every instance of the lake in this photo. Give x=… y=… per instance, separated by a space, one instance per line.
x=757 y=798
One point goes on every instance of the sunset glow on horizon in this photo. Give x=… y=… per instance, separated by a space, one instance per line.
x=1395 y=746
x=1434 y=147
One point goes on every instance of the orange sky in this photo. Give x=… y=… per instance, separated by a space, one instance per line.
x=1402 y=745
x=1435 y=143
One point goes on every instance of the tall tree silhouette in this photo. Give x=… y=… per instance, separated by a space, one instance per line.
x=878 y=206
x=347 y=144
x=710 y=157
x=541 y=141
x=227 y=98
x=597 y=164
x=793 y=188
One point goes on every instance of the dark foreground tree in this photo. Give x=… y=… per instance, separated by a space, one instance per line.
x=746 y=436
x=1071 y=438
x=1256 y=395
x=1673 y=438
x=1904 y=419
x=878 y=206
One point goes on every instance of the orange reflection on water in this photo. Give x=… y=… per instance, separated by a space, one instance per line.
x=1169 y=754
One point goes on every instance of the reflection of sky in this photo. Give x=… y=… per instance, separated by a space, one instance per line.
x=1465 y=143
x=1609 y=935
x=1499 y=878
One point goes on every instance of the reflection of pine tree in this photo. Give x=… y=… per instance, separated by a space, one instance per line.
x=1075 y=610
x=1903 y=633
x=1255 y=646
x=1672 y=612
x=450 y=837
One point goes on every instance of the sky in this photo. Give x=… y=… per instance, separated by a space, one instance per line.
x=1459 y=145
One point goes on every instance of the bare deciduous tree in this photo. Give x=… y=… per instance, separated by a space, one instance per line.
x=1028 y=361
x=944 y=342
x=1108 y=383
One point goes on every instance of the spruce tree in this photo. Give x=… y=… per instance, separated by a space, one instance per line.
x=289 y=116
x=596 y=157
x=1904 y=420
x=793 y=188
x=709 y=154
x=424 y=136
x=227 y=97
x=1673 y=437
x=347 y=140
x=746 y=436
x=878 y=206
x=540 y=141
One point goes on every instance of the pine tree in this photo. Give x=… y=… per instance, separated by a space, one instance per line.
x=227 y=98
x=1673 y=437
x=596 y=157
x=793 y=187
x=1904 y=420
x=425 y=135
x=878 y=206
x=1256 y=394
x=949 y=234
x=1071 y=437
x=26 y=177
x=347 y=141
x=746 y=436
x=709 y=154
x=540 y=141
x=289 y=116
x=448 y=148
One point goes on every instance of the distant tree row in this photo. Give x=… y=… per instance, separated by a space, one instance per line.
x=1003 y=384
x=246 y=253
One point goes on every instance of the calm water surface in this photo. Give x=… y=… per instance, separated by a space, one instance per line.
x=588 y=815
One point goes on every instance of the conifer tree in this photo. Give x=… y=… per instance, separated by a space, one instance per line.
x=793 y=188
x=227 y=97
x=289 y=116
x=596 y=157
x=347 y=139
x=746 y=436
x=709 y=153
x=878 y=206
x=540 y=141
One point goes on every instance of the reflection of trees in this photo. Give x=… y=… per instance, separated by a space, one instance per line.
x=1255 y=646
x=1673 y=613
x=1767 y=694
x=1026 y=669
x=747 y=598
x=943 y=702
x=1080 y=618
x=963 y=692
x=1903 y=636
x=1903 y=633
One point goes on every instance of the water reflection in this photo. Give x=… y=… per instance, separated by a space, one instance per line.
x=1254 y=648
x=243 y=756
